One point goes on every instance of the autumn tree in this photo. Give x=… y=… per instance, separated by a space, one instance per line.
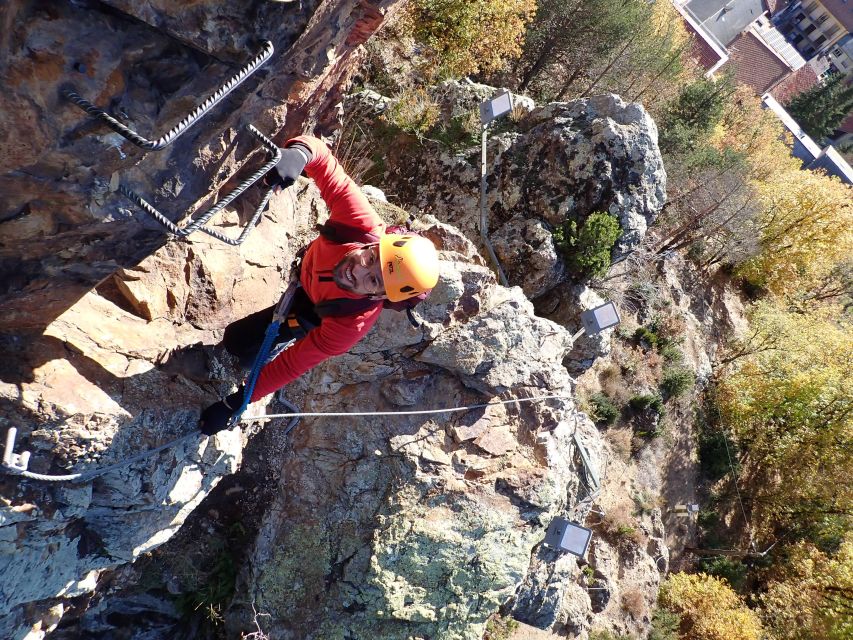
x=709 y=608
x=578 y=48
x=466 y=36
x=821 y=109
x=805 y=233
x=790 y=406
x=810 y=595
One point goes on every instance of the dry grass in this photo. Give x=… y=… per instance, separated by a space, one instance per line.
x=620 y=526
x=633 y=603
x=619 y=440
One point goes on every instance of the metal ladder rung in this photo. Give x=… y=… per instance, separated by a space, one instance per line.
x=199 y=223
x=170 y=136
x=14 y=462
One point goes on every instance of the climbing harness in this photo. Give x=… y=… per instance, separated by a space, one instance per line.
x=198 y=224
x=170 y=136
x=279 y=316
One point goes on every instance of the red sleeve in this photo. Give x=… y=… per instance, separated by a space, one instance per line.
x=333 y=337
x=346 y=201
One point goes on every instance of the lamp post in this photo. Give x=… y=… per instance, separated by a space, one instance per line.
x=568 y=536
x=598 y=319
x=490 y=110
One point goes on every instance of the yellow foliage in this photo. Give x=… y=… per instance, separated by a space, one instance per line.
x=746 y=127
x=813 y=595
x=466 y=36
x=805 y=231
x=790 y=407
x=709 y=608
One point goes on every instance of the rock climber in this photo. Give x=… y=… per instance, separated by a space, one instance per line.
x=351 y=280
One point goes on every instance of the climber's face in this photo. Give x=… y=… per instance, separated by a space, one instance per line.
x=360 y=271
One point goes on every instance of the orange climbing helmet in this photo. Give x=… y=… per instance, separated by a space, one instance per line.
x=409 y=265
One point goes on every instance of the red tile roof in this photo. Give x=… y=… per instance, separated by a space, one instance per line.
x=797 y=82
x=847 y=125
x=701 y=52
x=754 y=64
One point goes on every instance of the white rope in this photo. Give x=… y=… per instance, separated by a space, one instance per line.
x=319 y=414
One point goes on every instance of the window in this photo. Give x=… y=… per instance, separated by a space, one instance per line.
x=799 y=17
x=809 y=29
x=821 y=18
x=820 y=41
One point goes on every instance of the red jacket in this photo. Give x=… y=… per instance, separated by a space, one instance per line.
x=347 y=204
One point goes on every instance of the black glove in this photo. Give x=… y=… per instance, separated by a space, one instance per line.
x=293 y=161
x=217 y=416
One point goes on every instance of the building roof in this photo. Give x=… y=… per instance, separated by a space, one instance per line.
x=725 y=19
x=799 y=135
x=842 y=10
x=754 y=64
x=776 y=6
x=702 y=51
x=847 y=124
x=797 y=82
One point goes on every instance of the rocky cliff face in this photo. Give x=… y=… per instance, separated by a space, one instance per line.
x=63 y=227
x=386 y=527
x=546 y=165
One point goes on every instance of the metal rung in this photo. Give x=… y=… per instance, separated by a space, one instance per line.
x=178 y=130
x=198 y=224
x=14 y=463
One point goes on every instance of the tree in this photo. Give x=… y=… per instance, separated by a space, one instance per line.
x=805 y=232
x=709 y=608
x=690 y=118
x=821 y=109
x=466 y=36
x=587 y=250
x=573 y=47
x=811 y=595
x=791 y=409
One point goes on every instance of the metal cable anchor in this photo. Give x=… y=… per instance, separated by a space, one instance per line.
x=13 y=462
x=170 y=136
x=198 y=224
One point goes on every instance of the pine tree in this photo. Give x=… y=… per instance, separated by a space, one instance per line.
x=821 y=109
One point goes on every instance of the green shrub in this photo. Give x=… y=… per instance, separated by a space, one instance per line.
x=713 y=455
x=587 y=250
x=500 y=628
x=603 y=409
x=414 y=111
x=460 y=132
x=671 y=353
x=731 y=570
x=647 y=401
x=676 y=381
x=646 y=336
x=665 y=625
